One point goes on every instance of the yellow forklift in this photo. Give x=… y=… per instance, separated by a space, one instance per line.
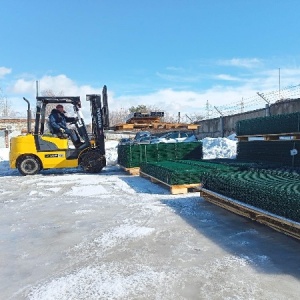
x=39 y=150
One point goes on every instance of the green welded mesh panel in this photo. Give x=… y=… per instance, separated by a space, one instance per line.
x=130 y=156
x=285 y=123
x=277 y=152
x=277 y=192
x=182 y=171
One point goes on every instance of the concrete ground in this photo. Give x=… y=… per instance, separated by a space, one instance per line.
x=114 y=236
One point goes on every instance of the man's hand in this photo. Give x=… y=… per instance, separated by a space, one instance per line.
x=61 y=130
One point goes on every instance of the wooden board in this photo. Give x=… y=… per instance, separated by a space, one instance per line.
x=269 y=137
x=156 y=125
x=131 y=171
x=278 y=223
x=174 y=189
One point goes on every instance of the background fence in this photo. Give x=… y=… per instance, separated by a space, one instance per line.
x=221 y=121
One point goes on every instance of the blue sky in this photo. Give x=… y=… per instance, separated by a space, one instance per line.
x=174 y=55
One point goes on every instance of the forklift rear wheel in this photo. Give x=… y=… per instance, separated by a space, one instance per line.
x=29 y=165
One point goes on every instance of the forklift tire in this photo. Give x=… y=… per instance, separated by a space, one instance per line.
x=92 y=161
x=28 y=165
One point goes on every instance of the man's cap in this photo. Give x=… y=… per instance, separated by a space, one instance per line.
x=60 y=106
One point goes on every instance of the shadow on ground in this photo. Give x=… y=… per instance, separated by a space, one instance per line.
x=265 y=249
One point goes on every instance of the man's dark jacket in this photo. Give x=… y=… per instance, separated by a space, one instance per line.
x=58 y=120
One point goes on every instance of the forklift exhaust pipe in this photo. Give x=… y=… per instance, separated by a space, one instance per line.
x=28 y=116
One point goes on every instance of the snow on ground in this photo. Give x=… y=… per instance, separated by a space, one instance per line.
x=68 y=235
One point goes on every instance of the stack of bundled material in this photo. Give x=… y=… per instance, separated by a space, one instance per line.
x=130 y=156
x=277 y=152
x=182 y=171
x=285 y=123
x=166 y=151
x=274 y=191
x=171 y=172
x=284 y=152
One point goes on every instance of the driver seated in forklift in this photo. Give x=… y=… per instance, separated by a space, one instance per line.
x=58 y=125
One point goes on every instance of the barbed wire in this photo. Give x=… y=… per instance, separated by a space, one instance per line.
x=252 y=102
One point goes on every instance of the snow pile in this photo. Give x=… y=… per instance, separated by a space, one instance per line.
x=111 y=152
x=219 y=148
x=4 y=154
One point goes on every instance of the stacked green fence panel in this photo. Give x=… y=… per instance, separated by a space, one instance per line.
x=278 y=152
x=285 y=123
x=274 y=191
x=130 y=156
x=171 y=172
x=182 y=171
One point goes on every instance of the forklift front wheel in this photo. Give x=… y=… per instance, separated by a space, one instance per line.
x=28 y=165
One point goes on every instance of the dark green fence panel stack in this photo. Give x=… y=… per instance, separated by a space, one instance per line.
x=130 y=156
x=280 y=151
x=166 y=151
x=285 y=123
x=171 y=172
x=276 y=152
x=277 y=192
x=183 y=171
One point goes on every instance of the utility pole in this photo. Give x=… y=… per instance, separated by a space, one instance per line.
x=221 y=121
x=242 y=105
x=207 y=110
x=37 y=88
x=279 y=85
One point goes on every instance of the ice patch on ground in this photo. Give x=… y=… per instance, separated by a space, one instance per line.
x=83 y=211
x=87 y=191
x=117 y=235
x=103 y=282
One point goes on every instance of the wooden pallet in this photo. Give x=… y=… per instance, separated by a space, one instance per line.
x=174 y=189
x=280 y=224
x=131 y=171
x=269 y=137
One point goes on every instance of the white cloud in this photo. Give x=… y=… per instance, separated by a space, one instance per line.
x=59 y=85
x=177 y=78
x=185 y=102
x=4 y=71
x=23 y=86
x=241 y=62
x=227 y=77
x=228 y=92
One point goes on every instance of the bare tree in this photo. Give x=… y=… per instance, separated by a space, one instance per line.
x=6 y=109
x=194 y=117
x=118 y=116
x=50 y=93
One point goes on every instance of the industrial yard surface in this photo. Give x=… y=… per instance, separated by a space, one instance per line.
x=70 y=235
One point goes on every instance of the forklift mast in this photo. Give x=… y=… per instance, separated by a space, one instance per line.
x=100 y=118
